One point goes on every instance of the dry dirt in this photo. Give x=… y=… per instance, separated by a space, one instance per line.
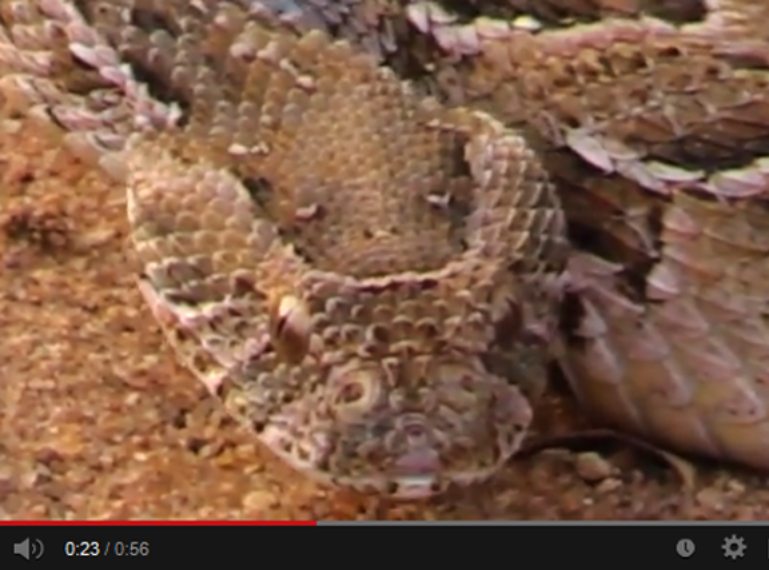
x=99 y=422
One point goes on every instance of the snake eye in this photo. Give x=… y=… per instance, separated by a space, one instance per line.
x=350 y=393
x=290 y=328
x=354 y=392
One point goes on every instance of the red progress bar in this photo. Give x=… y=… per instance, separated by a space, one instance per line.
x=158 y=523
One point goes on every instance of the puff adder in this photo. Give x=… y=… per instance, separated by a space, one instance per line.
x=351 y=216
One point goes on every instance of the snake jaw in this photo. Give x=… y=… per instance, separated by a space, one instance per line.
x=374 y=431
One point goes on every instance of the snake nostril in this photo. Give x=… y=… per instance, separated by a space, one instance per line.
x=415 y=432
x=350 y=393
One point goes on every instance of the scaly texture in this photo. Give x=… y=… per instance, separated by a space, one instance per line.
x=337 y=259
x=657 y=136
x=289 y=199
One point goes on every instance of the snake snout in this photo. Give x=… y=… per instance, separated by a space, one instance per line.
x=419 y=455
x=416 y=466
x=415 y=448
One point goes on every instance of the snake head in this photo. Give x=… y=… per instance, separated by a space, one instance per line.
x=402 y=428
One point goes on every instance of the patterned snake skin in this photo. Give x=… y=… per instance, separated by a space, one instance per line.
x=372 y=274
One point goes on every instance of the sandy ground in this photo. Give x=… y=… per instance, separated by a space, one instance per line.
x=99 y=422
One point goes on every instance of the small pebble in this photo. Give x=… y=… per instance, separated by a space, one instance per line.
x=608 y=485
x=711 y=499
x=592 y=467
x=259 y=502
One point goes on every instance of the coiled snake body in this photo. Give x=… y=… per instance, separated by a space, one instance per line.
x=371 y=273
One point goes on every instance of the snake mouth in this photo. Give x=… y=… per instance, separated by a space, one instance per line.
x=416 y=477
x=414 y=487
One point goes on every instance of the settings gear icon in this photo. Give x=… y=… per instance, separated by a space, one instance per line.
x=734 y=547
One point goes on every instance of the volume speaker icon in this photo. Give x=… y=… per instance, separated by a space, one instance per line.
x=29 y=550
